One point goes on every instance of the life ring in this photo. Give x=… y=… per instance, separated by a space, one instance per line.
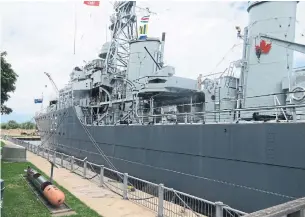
x=301 y=91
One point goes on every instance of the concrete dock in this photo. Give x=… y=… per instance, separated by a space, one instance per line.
x=102 y=200
x=12 y=152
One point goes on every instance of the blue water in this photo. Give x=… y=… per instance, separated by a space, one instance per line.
x=34 y=142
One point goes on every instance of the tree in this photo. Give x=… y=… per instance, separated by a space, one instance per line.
x=8 y=80
x=27 y=125
x=12 y=125
x=4 y=126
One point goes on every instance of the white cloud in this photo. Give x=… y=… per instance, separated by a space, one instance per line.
x=38 y=37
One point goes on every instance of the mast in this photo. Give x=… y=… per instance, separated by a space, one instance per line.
x=123 y=30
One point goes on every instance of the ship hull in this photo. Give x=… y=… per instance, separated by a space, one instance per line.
x=246 y=166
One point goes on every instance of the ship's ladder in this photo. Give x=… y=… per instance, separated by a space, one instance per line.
x=99 y=120
x=127 y=115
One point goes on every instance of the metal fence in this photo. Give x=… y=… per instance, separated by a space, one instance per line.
x=157 y=197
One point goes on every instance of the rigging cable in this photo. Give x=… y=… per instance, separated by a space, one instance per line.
x=223 y=58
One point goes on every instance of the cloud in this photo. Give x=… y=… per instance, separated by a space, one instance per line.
x=38 y=37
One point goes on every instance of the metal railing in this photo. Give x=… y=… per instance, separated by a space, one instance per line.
x=157 y=197
x=294 y=208
x=195 y=112
x=264 y=114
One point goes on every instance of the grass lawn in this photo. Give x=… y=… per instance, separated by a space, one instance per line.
x=20 y=201
x=2 y=144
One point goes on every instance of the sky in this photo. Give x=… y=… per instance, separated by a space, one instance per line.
x=38 y=37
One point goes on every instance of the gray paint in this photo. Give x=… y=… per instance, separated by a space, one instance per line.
x=140 y=64
x=264 y=156
x=265 y=76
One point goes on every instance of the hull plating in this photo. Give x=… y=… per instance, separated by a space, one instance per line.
x=242 y=165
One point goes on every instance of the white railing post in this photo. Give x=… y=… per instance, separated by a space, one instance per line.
x=62 y=160
x=72 y=163
x=160 y=200
x=54 y=157
x=85 y=168
x=102 y=176
x=294 y=114
x=219 y=209
x=125 y=187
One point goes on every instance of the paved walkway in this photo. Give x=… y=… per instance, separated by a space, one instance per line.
x=103 y=201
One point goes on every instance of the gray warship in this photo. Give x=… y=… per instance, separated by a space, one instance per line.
x=239 y=139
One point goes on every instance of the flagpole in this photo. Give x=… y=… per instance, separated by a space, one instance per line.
x=42 y=102
x=106 y=33
x=75 y=26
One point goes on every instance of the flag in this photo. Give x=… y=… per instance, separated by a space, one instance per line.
x=145 y=19
x=143 y=37
x=143 y=28
x=143 y=32
x=37 y=101
x=92 y=3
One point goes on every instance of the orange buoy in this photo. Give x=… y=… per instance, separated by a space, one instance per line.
x=55 y=196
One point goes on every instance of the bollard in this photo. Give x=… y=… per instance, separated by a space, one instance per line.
x=62 y=160
x=85 y=168
x=219 y=209
x=72 y=163
x=102 y=176
x=43 y=150
x=48 y=154
x=160 y=200
x=125 y=181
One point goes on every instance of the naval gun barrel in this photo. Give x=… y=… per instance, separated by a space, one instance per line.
x=53 y=195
